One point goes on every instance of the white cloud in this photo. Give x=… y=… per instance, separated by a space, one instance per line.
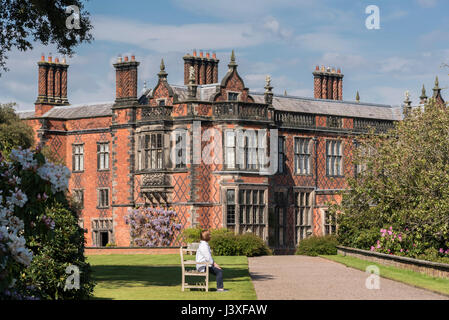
x=343 y=61
x=324 y=41
x=427 y=3
x=166 y=38
x=396 y=64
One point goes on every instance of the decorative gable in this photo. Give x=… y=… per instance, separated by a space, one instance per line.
x=232 y=86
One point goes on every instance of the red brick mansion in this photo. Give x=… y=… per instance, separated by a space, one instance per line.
x=217 y=153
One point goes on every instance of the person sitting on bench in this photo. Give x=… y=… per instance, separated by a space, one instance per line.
x=203 y=254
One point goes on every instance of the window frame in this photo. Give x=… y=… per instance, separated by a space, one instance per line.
x=335 y=159
x=100 y=198
x=251 y=215
x=153 y=154
x=329 y=228
x=237 y=96
x=300 y=156
x=78 y=157
x=180 y=149
x=304 y=210
x=103 y=155
x=281 y=155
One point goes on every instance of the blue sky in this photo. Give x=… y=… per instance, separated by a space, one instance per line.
x=282 y=38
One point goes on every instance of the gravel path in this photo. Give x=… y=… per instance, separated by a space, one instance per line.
x=314 y=278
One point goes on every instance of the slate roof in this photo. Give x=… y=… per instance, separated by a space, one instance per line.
x=85 y=111
x=333 y=107
x=207 y=92
x=25 y=114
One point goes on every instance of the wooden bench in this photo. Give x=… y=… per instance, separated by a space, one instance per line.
x=188 y=271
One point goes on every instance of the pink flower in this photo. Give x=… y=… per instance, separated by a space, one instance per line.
x=372 y=248
x=441 y=250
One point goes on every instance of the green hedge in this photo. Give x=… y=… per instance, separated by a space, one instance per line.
x=317 y=245
x=225 y=243
x=229 y=244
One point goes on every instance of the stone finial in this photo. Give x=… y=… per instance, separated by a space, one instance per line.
x=232 y=63
x=357 y=96
x=268 y=91
x=162 y=65
x=162 y=73
x=423 y=96
x=407 y=97
x=267 y=82
x=437 y=92
x=407 y=104
x=285 y=93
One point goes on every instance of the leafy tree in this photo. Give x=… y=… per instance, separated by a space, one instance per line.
x=39 y=232
x=404 y=184
x=13 y=131
x=44 y=21
x=46 y=276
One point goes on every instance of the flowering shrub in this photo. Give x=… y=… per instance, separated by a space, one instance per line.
x=29 y=188
x=395 y=243
x=152 y=227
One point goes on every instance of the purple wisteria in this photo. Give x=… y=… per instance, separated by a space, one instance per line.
x=152 y=227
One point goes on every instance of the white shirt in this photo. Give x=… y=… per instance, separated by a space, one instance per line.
x=203 y=254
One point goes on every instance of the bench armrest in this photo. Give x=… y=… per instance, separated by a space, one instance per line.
x=190 y=262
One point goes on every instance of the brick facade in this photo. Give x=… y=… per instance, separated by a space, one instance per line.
x=213 y=193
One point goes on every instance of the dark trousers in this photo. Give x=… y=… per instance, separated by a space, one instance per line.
x=219 y=275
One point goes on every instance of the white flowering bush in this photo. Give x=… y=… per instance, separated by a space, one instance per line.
x=28 y=186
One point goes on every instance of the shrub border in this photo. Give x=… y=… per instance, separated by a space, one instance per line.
x=434 y=269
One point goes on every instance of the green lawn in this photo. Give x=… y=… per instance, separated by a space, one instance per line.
x=439 y=285
x=158 y=277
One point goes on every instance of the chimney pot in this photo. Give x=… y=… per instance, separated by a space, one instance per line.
x=317 y=68
x=214 y=55
x=126 y=58
x=208 y=55
x=133 y=58
x=201 y=54
x=194 y=53
x=49 y=58
x=42 y=58
x=56 y=60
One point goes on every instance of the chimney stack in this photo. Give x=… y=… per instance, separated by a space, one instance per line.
x=328 y=83
x=52 y=85
x=205 y=66
x=126 y=79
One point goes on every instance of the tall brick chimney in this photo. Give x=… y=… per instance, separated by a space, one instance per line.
x=52 y=85
x=206 y=68
x=126 y=79
x=328 y=83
